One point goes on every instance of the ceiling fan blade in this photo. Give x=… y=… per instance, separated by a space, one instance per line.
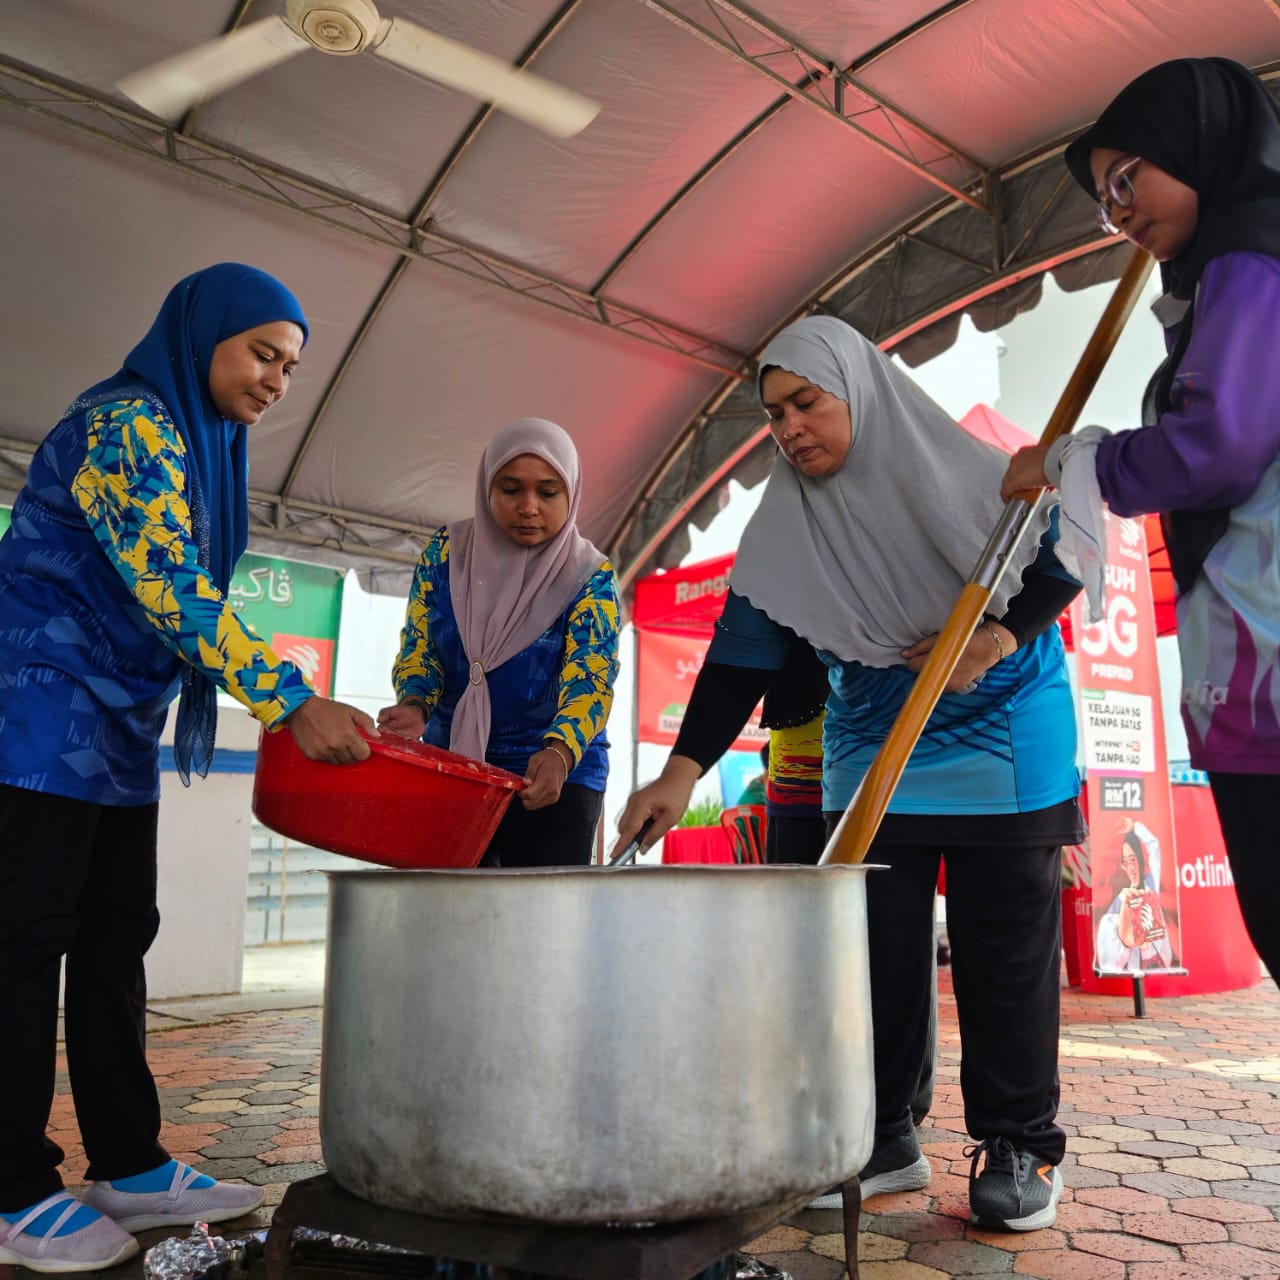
x=549 y=107
x=170 y=87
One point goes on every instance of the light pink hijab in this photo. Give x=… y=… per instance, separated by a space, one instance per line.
x=504 y=595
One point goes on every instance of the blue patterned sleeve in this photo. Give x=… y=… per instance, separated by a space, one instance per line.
x=131 y=488
x=590 y=664
x=418 y=671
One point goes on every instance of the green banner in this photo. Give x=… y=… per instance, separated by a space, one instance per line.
x=4 y=520
x=295 y=608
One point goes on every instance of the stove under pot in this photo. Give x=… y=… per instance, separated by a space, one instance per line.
x=519 y=1250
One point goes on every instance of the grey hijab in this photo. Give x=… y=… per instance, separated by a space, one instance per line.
x=867 y=561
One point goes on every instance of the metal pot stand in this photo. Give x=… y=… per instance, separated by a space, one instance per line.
x=670 y=1251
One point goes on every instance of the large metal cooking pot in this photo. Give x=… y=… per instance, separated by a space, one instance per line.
x=578 y=1046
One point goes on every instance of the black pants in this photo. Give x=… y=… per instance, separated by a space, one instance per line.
x=788 y=839
x=1247 y=812
x=79 y=880
x=559 y=835
x=1004 y=918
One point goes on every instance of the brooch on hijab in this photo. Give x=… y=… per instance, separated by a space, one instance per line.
x=477 y=673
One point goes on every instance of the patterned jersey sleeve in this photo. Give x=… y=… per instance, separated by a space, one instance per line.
x=418 y=671
x=590 y=663
x=131 y=488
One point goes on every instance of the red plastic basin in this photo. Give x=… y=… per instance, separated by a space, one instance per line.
x=408 y=805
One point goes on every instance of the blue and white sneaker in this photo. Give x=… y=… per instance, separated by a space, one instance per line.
x=174 y=1195
x=61 y=1234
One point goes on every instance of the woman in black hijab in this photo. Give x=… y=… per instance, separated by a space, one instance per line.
x=1185 y=162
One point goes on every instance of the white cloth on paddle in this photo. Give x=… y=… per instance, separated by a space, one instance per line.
x=1071 y=464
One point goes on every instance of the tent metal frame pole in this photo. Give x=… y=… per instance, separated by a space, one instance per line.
x=635 y=708
x=335 y=381
x=376 y=538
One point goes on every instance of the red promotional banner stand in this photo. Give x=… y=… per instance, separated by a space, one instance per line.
x=674 y=616
x=1152 y=907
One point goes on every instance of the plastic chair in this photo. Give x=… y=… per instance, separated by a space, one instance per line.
x=745 y=825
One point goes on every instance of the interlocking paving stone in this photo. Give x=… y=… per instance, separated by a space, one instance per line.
x=1167 y=1184
x=1069 y=1266
x=1238 y=1259
x=1224 y=1210
x=1258 y=1235
x=1123 y=1248
x=962 y=1258
x=812 y=1266
x=1174 y=1228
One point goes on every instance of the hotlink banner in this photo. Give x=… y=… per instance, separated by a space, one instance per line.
x=1133 y=865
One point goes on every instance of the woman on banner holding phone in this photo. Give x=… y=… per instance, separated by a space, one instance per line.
x=1132 y=936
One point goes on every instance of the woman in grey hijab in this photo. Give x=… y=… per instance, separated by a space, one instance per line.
x=875 y=513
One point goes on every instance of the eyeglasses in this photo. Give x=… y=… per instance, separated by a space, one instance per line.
x=1119 y=191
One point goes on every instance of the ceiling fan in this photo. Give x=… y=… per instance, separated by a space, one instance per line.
x=345 y=27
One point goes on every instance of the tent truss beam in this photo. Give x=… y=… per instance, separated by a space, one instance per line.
x=90 y=115
x=354 y=535
x=832 y=91
x=806 y=83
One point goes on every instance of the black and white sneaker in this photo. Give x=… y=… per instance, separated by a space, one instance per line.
x=1016 y=1190
x=895 y=1165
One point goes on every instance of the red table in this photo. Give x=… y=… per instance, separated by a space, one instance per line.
x=696 y=844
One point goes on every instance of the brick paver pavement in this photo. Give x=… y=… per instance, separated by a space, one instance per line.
x=1172 y=1171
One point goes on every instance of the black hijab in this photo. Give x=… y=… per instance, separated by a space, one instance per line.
x=1213 y=125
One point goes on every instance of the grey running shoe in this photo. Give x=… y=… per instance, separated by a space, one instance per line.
x=895 y=1165
x=98 y=1243
x=181 y=1205
x=1016 y=1190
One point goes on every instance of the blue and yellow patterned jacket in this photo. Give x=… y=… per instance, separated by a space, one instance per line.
x=103 y=603
x=560 y=687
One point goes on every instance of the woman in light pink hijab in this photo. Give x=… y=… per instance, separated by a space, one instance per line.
x=509 y=650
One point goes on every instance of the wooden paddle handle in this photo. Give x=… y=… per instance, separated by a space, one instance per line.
x=857 y=829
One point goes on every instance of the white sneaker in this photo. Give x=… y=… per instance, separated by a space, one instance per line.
x=181 y=1205
x=829 y=1200
x=99 y=1243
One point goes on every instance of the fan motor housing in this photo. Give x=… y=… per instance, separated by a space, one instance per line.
x=334 y=26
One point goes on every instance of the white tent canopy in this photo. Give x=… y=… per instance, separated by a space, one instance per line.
x=891 y=161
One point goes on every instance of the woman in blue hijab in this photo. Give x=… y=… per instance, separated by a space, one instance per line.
x=113 y=600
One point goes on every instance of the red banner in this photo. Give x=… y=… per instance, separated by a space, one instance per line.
x=668 y=666
x=683 y=601
x=1133 y=865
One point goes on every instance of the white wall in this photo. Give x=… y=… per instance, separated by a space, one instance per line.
x=203 y=871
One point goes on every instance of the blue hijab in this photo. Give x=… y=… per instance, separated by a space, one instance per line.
x=172 y=362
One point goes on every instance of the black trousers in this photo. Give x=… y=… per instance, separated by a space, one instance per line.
x=79 y=880
x=560 y=835
x=788 y=839
x=1247 y=812
x=1004 y=919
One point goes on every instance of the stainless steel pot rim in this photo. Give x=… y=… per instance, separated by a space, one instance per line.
x=595 y=871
